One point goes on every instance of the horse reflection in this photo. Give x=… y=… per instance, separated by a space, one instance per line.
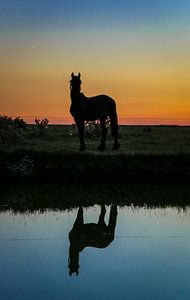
x=84 y=235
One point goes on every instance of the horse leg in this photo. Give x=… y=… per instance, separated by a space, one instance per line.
x=102 y=147
x=102 y=215
x=79 y=219
x=114 y=130
x=80 y=126
x=112 y=217
x=112 y=222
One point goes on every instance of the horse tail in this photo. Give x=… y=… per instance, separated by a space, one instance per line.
x=114 y=123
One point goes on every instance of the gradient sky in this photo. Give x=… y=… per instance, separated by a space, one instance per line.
x=136 y=51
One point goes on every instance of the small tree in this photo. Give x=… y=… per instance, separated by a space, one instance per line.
x=42 y=126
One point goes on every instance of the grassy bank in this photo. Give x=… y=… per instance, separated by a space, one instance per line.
x=159 y=153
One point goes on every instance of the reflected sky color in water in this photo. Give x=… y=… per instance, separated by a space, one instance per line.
x=148 y=259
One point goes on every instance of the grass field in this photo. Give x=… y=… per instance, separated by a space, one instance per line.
x=160 y=152
x=133 y=139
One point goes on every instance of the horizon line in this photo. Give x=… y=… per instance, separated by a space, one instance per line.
x=65 y=120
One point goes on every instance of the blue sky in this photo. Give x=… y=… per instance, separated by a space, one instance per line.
x=39 y=14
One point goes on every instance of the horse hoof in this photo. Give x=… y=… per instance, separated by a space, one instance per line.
x=101 y=148
x=82 y=148
x=116 y=146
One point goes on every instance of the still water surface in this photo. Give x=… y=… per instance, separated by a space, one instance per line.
x=144 y=254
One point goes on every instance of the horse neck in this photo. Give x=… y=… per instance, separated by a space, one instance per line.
x=75 y=95
x=73 y=253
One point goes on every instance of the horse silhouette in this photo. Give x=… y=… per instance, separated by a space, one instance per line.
x=84 y=235
x=99 y=107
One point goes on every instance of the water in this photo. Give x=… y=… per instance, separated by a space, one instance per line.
x=147 y=258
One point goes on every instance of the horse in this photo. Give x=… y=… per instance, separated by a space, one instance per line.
x=99 y=107
x=84 y=235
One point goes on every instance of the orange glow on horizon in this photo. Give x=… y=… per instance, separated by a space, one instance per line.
x=150 y=83
x=50 y=97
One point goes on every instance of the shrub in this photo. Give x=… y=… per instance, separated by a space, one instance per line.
x=42 y=126
x=20 y=123
x=11 y=130
x=91 y=128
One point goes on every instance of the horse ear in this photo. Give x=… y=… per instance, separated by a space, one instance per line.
x=72 y=75
x=79 y=75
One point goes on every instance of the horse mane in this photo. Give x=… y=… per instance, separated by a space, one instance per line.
x=82 y=96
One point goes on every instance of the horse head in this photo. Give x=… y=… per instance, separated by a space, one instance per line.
x=75 y=83
x=73 y=266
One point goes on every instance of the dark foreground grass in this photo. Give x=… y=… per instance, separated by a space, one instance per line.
x=159 y=153
x=76 y=167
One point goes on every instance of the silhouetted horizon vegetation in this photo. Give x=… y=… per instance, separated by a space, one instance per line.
x=23 y=198
x=11 y=130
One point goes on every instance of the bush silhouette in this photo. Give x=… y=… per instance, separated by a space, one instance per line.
x=42 y=126
x=11 y=130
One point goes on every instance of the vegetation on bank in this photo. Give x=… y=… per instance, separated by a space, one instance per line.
x=29 y=198
x=157 y=152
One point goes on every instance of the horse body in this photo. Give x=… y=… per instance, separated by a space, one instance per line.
x=94 y=108
x=92 y=235
x=84 y=235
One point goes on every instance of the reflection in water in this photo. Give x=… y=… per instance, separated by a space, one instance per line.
x=148 y=259
x=39 y=198
x=84 y=235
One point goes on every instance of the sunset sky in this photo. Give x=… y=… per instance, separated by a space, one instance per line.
x=136 y=51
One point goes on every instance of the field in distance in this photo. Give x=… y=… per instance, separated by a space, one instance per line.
x=133 y=140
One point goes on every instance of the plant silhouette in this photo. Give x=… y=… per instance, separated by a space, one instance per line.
x=84 y=235
x=99 y=107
